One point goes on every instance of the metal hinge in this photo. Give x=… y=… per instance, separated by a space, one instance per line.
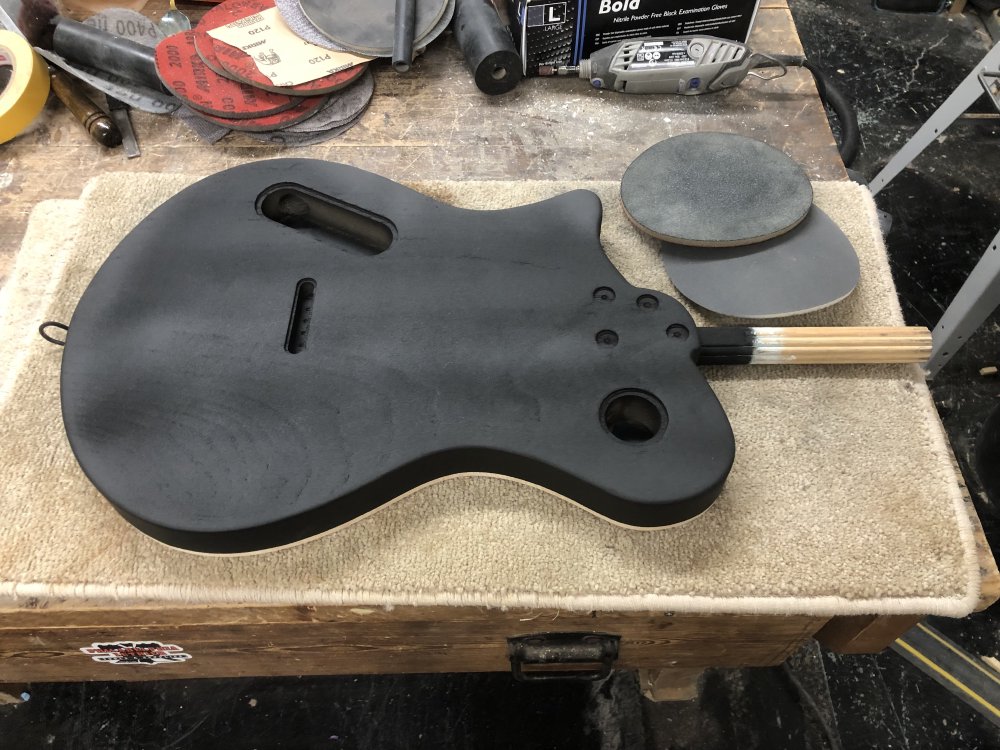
x=562 y=656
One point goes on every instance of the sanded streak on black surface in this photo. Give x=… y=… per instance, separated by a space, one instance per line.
x=811 y=267
x=369 y=27
x=715 y=190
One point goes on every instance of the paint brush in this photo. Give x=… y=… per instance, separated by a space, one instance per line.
x=756 y=345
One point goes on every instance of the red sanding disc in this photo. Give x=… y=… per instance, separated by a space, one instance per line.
x=307 y=107
x=240 y=66
x=234 y=63
x=220 y=15
x=187 y=77
x=203 y=45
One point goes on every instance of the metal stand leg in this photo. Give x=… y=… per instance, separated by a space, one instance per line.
x=960 y=100
x=978 y=297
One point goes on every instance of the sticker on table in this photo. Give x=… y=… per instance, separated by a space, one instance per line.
x=136 y=652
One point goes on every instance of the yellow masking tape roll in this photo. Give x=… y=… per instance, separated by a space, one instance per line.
x=25 y=93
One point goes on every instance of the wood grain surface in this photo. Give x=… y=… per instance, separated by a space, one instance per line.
x=433 y=123
x=44 y=643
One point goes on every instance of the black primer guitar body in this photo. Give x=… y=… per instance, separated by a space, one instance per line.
x=288 y=345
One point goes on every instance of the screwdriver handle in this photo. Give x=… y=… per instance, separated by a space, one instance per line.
x=100 y=126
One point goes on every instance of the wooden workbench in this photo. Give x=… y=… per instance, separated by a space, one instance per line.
x=431 y=124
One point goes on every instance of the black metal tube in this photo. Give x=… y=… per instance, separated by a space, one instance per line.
x=106 y=52
x=402 y=46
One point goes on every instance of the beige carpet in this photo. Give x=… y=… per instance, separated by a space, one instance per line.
x=842 y=499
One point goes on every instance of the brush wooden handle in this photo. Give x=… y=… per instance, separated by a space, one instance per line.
x=814 y=346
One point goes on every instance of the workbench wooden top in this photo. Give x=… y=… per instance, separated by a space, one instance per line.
x=433 y=123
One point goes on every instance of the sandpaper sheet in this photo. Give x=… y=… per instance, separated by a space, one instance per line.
x=279 y=56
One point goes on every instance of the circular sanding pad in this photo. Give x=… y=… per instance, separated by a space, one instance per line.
x=220 y=15
x=715 y=190
x=811 y=267
x=368 y=27
x=305 y=107
x=345 y=106
x=289 y=137
x=291 y=11
x=337 y=116
x=186 y=76
x=128 y=24
x=241 y=67
x=205 y=48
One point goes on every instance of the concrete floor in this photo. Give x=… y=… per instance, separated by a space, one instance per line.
x=897 y=69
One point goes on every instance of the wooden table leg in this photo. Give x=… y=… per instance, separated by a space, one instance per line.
x=864 y=634
x=676 y=684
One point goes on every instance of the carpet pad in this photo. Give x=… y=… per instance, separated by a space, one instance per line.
x=843 y=498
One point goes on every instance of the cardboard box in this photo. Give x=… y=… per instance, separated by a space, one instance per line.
x=563 y=33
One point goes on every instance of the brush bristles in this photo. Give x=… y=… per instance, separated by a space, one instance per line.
x=862 y=345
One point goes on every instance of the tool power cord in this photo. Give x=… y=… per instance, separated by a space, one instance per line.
x=832 y=97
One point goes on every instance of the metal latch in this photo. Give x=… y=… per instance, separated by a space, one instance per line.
x=562 y=656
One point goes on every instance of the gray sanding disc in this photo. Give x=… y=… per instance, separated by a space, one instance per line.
x=715 y=190
x=420 y=43
x=368 y=27
x=287 y=138
x=811 y=267
x=345 y=106
x=128 y=24
x=296 y=20
x=291 y=12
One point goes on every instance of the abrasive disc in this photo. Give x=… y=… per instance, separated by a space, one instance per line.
x=810 y=267
x=291 y=138
x=220 y=15
x=187 y=77
x=203 y=44
x=715 y=190
x=368 y=27
x=291 y=11
x=128 y=24
x=343 y=107
x=305 y=107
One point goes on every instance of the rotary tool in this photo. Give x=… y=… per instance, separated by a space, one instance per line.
x=670 y=65
x=691 y=65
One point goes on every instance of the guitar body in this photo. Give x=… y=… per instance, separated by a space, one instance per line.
x=288 y=345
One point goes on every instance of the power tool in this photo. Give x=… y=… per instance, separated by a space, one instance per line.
x=691 y=65
x=670 y=65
